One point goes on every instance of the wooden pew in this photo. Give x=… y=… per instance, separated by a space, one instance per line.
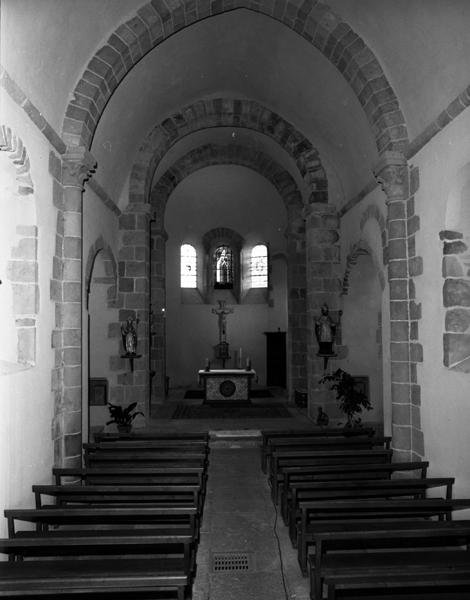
x=335 y=432
x=435 y=583
x=366 y=488
x=414 y=539
x=318 y=442
x=281 y=459
x=110 y=495
x=317 y=473
x=121 y=578
x=138 y=434
x=163 y=445
x=147 y=458
x=150 y=518
x=170 y=474
x=314 y=513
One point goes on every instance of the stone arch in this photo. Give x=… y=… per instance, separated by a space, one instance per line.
x=213 y=154
x=22 y=266
x=316 y=23
x=110 y=267
x=218 y=154
x=233 y=113
x=358 y=249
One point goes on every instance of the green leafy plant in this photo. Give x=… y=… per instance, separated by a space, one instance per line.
x=122 y=416
x=351 y=400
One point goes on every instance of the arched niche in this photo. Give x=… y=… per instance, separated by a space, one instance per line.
x=102 y=333
x=361 y=328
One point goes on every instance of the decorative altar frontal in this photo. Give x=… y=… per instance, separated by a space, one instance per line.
x=227 y=385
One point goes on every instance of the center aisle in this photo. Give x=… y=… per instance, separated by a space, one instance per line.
x=239 y=556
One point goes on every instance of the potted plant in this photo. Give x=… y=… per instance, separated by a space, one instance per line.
x=123 y=417
x=351 y=400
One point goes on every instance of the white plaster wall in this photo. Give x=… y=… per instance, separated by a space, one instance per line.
x=27 y=406
x=445 y=401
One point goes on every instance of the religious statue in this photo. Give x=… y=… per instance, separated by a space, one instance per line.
x=325 y=332
x=222 y=313
x=129 y=337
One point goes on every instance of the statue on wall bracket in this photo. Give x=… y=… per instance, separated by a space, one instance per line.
x=222 y=348
x=325 y=332
x=129 y=340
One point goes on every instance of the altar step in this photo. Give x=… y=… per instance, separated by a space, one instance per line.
x=235 y=438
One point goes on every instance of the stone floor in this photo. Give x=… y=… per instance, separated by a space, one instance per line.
x=244 y=552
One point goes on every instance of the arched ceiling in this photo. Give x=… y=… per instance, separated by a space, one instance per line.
x=420 y=47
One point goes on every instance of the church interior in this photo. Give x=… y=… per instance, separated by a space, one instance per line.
x=209 y=205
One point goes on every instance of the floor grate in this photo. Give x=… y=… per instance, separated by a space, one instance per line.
x=231 y=561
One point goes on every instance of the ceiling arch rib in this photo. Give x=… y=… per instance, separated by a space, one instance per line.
x=315 y=22
x=228 y=112
x=230 y=154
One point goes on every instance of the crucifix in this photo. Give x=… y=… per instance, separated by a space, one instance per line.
x=222 y=347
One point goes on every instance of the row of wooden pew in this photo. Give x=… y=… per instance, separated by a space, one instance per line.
x=125 y=525
x=363 y=525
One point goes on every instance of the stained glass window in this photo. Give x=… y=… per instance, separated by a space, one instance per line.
x=259 y=266
x=223 y=268
x=188 y=266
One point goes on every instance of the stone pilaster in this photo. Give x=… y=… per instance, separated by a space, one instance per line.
x=66 y=289
x=393 y=176
x=323 y=286
x=134 y=294
x=296 y=300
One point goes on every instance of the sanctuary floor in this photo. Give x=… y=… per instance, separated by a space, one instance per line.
x=244 y=552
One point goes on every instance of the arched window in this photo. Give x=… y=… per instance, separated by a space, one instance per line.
x=188 y=266
x=259 y=266
x=223 y=268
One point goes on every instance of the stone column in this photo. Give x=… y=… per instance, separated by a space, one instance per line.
x=393 y=176
x=296 y=301
x=323 y=286
x=77 y=167
x=158 y=302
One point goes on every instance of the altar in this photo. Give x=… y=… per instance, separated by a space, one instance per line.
x=227 y=385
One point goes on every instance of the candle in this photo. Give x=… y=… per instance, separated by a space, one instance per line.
x=240 y=358
x=248 y=364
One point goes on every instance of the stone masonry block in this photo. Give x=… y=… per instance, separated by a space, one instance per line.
x=397 y=229
x=72 y=338
x=457 y=247
x=401 y=437
x=25 y=250
x=73 y=443
x=399 y=351
x=68 y=315
x=456 y=292
x=417 y=440
x=401 y=393
x=416 y=395
x=457 y=320
x=72 y=356
x=457 y=349
x=397 y=269
x=398 y=289
x=26 y=345
x=72 y=291
x=73 y=422
x=21 y=271
x=116 y=363
x=72 y=247
x=415 y=311
x=136 y=269
x=397 y=249
x=126 y=284
x=451 y=267
x=73 y=376
x=73 y=224
x=398 y=310
x=416 y=266
x=136 y=301
x=416 y=353
x=399 y=331
x=413 y=225
x=450 y=235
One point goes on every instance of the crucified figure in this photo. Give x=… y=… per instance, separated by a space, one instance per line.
x=222 y=313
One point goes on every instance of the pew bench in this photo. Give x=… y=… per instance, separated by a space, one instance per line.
x=281 y=459
x=334 y=473
x=110 y=495
x=121 y=578
x=315 y=513
x=148 y=517
x=371 y=546
x=366 y=488
x=431 y=583
x=138 y=459
x=324 y=443
x=143 y=435
x=270 y=435
x=163 y=475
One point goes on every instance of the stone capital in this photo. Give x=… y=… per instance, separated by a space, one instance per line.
x=391 y=173
x=318 y=209
x=78 y=165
